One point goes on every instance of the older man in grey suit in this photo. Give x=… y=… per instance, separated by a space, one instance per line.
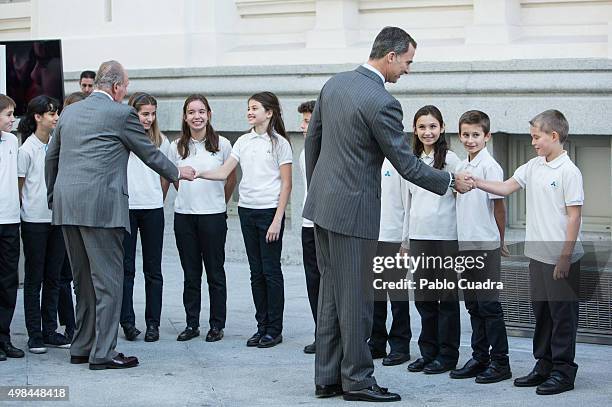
x=355 y=125
x=86 y=176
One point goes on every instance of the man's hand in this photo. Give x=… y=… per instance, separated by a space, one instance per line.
x=562 y=268
x=187 y=173
x=464 y=182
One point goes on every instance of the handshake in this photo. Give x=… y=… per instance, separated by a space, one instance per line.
x=187 y=173
x=464 y=182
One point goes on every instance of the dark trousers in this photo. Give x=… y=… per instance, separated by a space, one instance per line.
x=201 y=238
x=44 y=252
x=486 y=314
x=439 y=309
x=9 y=278
x=399 y=335
x=267 y=282
x=150 y=222
x=554 y=338
x=65 y=304
x=313 y=276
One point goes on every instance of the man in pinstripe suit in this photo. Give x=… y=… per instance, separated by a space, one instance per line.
x=86 y=177
x=355 y=124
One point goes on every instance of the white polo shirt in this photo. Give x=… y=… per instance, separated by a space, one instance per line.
x=260 y=161
x=144 y=184
x=394 y=205
x=433 y=217
x=476 y=226
x=31 y=166
x=9 y=201
x=201 y=196
x=306 y=223
x=549 y=188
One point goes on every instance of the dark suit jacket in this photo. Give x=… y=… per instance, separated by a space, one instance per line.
x=355 y=125
x=86 y=164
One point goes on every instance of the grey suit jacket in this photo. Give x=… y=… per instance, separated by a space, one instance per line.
x=355 y=125
x=86 y=163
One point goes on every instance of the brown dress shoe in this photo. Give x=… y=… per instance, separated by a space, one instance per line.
x=118 y=362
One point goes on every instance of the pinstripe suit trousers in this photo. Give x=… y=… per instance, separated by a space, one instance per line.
x=96 y=258
x=346 y=303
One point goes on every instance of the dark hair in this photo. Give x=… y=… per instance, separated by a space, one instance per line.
x=476 y=117
x=391 y=39
x=137 y=101
x=269 y=101
x=307 y=107
x=440 y=146
x=6 y=102
x=552 y=120
x=88 y=75
x=39 y=105
x=74 y=97
x=212 y=138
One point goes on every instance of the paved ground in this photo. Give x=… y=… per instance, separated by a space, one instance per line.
x=228 y=373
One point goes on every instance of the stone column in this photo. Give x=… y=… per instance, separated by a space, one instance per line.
x=337 y=24
x=495 y=22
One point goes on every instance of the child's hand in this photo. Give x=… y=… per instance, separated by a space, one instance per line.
x=504 y=250
x=562 y=268
x=273 y=232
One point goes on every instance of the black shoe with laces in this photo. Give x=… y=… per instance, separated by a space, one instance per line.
x=188 y=334
x=36 y=345
x=130 y=332
x=152 y=334
x=56 y=340
x=10 y=351
x=214 y=335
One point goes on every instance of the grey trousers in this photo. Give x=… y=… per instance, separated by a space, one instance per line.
x=345 y=310
x=96 y=258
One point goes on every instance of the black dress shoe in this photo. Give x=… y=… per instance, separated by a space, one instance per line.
x=395 y=358
x=188 y=333
x=555 y=384
x=77 y=360
x=254 y=340
x=267 y=341
x=417 y=365
x=531 y=380
x=472 y=368
x=372 y=393
x=152 y=334
x=214 y=335
x=118 y=362
x=325 y=391
x=437 y=367
x=2 y=356
x=130 y=332
x=310 y=349
x=496 y=372
x=10 y=351
x=377 y=353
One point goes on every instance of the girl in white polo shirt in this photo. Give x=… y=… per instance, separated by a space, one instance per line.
x=146 y=201
x=200 y=219
x=433 y=233
x=9 y=227
x=265 y=157
x=43 y=243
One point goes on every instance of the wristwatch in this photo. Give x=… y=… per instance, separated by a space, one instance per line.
x=452 y=181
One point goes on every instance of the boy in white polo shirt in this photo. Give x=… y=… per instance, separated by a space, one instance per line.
x=554 y=202
x=309 y=253
x=9 y=227
x=481 y=219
